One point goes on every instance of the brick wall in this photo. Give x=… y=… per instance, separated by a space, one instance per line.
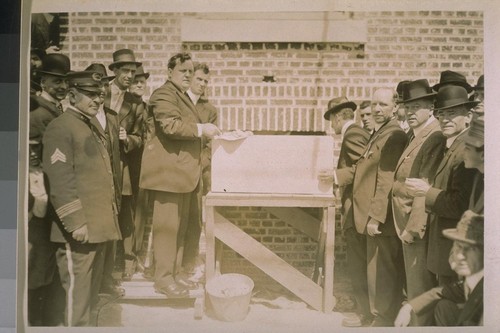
x=400 y=45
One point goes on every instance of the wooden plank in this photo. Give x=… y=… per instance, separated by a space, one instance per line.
x=272 y=164
x=298 y=219
x=269 y=200
x=210 y=241
x=328 y=299
x=268 y=262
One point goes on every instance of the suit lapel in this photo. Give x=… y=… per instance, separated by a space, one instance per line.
x=126 y=108
x=187 y=101
x=417 y=142
x=473 y=304
x=448 y=154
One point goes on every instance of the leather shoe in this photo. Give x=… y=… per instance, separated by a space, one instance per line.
x=182 y=280
x=173 y=290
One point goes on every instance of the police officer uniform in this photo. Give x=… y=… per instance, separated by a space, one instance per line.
x=78 y=167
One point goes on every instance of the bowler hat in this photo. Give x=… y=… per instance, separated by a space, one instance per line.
x=480 y=83
x=452 y=78
x=418 y=89
x=470 y=229
x=55 y=64
x=399 y=90
x=123 y=56
x=140 y=72
x=99 y=68
x=452 y=96
x=475 y=134
x=85 y=80
x=337 y=104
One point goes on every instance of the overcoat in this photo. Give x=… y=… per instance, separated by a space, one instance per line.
x=171 y=158
x=353 y=144
x=420 y=159
x=373 y=176
x=447 y=200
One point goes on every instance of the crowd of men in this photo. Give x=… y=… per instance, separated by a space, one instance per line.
x=413 y=201
x=101 y=158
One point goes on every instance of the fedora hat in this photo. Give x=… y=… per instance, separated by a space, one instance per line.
x=452 y=78
x=123 y=56
x=452 y=96
x=475 y=134
x=470 y=229
x=337 y=104
x=140 y=72
x=418 y=89
x=480 y=83
x=55 y=64
x=85 y=80
x=101 y=69
x=399 y=89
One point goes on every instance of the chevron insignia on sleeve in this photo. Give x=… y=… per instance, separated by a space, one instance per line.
x=69 y=208
x=57 y=156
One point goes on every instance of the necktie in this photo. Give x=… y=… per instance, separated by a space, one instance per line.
x=59 y=107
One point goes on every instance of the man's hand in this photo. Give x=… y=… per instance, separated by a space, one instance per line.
x=404 y=316
x=326 y=175
x=406 y=237
x=123 y=134
x=417 y=187
x=209 y=130
x=372 y=227
x=81 y=234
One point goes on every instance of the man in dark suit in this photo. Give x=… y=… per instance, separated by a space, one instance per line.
x=43 y=281
x=372 y=179
x=420 y=159
x=208 y=114
x=458 y=303
x=80 y=176
x=129 y=119
x=106 y=126
x=448 y=196
x=171 y=168
x=474 y=159
x=340 y=113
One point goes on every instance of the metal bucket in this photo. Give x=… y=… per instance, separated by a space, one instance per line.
x=229 y=295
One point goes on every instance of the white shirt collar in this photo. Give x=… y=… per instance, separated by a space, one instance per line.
x=346 y=126
x=449 y=141
x=114 y=88
x=193 y=96
x=473 y=280
x=418 y=130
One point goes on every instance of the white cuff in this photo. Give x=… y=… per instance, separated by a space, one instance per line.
x=200 y=132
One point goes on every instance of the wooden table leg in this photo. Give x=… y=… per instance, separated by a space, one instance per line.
x=328 y=298
x=210 y=242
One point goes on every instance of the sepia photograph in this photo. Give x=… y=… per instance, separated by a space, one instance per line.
x=267 y=167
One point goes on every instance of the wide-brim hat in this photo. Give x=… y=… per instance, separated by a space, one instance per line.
x=418 y=89
x=140 y=72
x=337 y=104
x=123 y=56
x=452 y=96
x=101 y=69
x=470 y=229
x=480 y=83
x=452 y=78
x=85 y=80
x=56 y=64
x=475 y=134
